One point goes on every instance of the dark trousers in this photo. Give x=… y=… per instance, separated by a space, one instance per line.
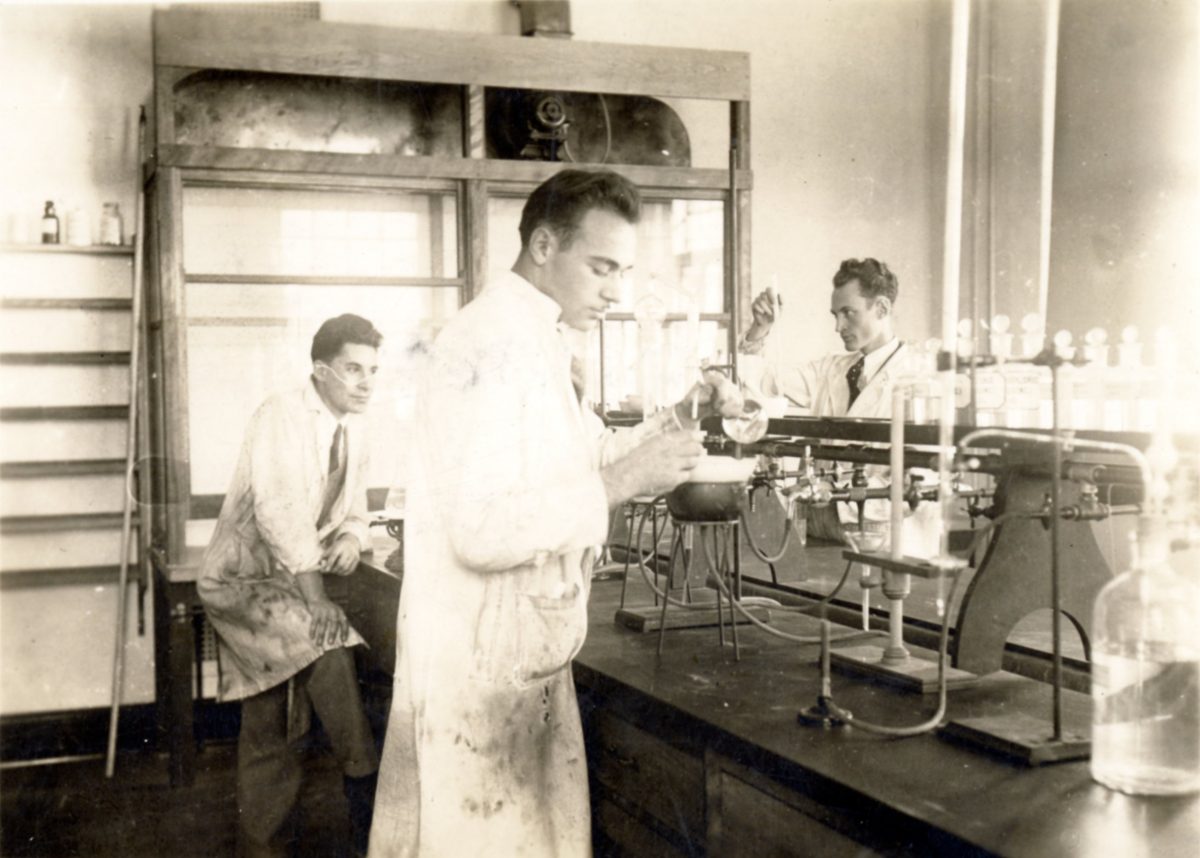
x=269 y=770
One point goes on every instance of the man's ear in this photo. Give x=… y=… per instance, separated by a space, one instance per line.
x=884 y=306
x=542 y=244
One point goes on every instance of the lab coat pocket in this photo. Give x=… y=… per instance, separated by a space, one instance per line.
x=550 y=632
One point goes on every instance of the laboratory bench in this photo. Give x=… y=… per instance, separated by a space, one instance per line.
x=693 y=752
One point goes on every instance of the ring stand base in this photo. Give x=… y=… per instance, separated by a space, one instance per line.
x=1019 y=737
x=819 y=715
x=701 y=614
x=912 y=674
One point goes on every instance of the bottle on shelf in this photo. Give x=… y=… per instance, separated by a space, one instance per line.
x=922 y=406
x=50 y=226
x=992 y=384
x=965 y=349
x=112 y=228
x=1121 y=399
x=1066 y=385
x=1087 y=399
x=1023 y=381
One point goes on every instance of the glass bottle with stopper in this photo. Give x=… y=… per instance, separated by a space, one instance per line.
x=1087 y=400
x=50 y=224
x=1146 y=675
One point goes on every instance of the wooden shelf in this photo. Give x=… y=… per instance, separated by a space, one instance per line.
x=91 y=249
x=65 y=412
x=65 y=576
x=64 y=358
x=13 y=524
x=89 y=304
x=63 y=468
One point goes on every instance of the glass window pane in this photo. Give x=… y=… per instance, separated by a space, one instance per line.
x=318 y=114
x=503 y=240
x=306 y=233
x=591 y=128
x=681 y=258
x=246 y=342
x=680 y=255
x=658 y=363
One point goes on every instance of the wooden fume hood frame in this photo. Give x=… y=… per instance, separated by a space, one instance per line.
x=189 y=41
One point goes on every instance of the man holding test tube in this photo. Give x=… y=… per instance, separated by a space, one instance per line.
x=855 y=383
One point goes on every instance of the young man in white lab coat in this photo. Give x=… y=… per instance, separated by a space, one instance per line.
x=854 y=383
x=296 y=510
x=510 y=490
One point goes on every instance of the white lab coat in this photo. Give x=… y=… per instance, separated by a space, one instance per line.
x=267 y=534
x=484 y=752
x=819 y=388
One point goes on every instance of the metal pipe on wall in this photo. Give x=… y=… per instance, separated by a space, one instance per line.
x=951 y=262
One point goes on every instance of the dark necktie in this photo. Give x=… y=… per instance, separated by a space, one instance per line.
x=337 y=475
x=335 y=449
x=852 y=377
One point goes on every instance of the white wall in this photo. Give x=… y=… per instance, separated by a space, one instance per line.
x=71 y=80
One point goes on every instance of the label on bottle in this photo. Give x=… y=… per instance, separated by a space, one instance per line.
x=962 y=391
x=989 y=391
x=111 y=228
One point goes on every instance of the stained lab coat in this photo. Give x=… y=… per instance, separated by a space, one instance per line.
x=484 y=752
x=820 y=388
x=267 y=534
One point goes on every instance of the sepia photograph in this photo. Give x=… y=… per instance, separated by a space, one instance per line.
x=569 y=428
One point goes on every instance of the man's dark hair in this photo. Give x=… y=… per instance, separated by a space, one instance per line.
x=561 y=201
x=875 y=279
x=336 y=332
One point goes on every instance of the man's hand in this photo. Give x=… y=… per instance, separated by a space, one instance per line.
x=655 y=466
x=341 y=558
x=716 y=395
x=329 y=624
x=763 y=308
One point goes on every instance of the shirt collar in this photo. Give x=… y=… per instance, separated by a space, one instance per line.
x=876 y=359
x=314 y=402
x=541 y=306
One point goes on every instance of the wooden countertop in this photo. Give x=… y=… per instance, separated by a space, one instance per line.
x=924 y=793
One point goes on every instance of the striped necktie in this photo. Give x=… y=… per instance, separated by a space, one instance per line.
x=852 y=378
x=337 y=474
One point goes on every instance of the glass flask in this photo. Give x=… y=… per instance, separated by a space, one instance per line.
x=1146 y=675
